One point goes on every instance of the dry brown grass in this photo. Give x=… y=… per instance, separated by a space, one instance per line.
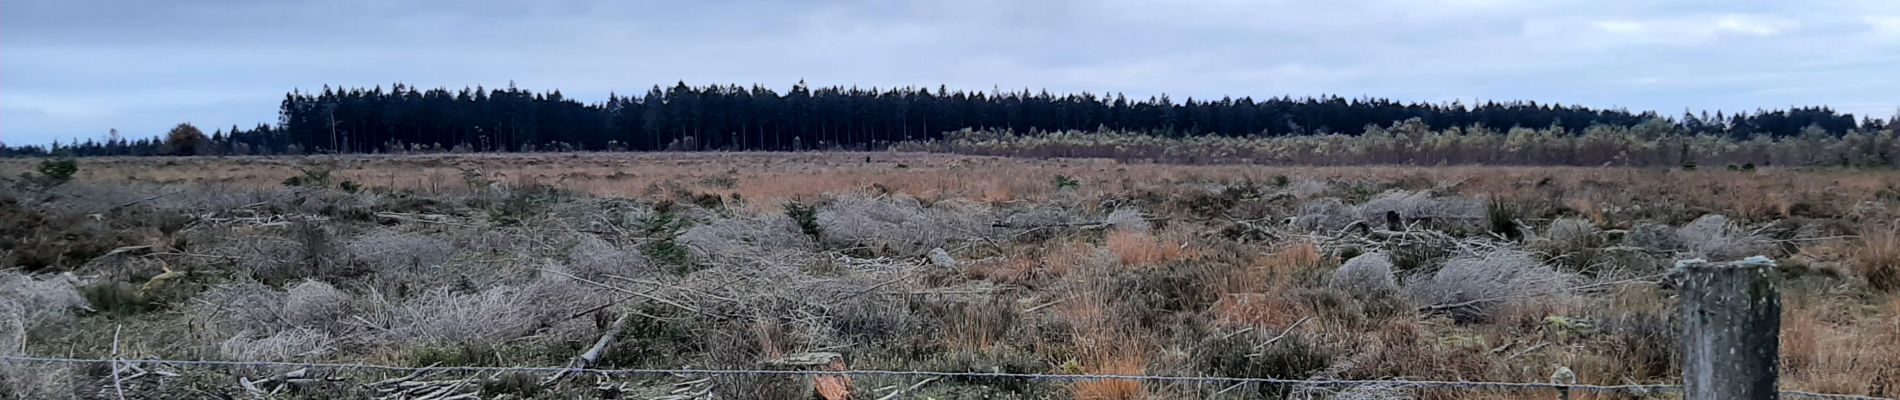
x=759 y=177
x=1112 y=389
x=1877 y=260
x=1260 y=294
x=1035 y=265
x=1826 y=347
x=1064 y=294
x=1141 y=249
x=1104 y=344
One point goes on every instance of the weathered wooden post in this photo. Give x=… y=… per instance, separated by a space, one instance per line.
x=1731 y=323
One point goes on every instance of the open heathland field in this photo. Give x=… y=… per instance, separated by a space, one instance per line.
x=912 y=261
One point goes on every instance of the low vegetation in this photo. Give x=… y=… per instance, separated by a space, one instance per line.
x=918 y=262
x=1413 y=142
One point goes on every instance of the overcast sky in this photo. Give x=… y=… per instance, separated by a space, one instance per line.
x=75 y=69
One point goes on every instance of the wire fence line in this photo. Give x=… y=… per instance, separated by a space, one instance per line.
x=1414 y=384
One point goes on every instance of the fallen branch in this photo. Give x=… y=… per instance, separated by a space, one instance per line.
x=919 y=384
x=658 y=299
x=1283 y=334
x=136 y=202
x=593 y=354
x=1045 y=305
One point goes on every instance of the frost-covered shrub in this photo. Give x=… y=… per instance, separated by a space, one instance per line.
x=1472 y=286
x=1714 y=237
x=1410 y=205
x=39 y=381
x=12 y=327
x=1017 y=222
x=745 y=237
x=1305 y=188
x=284 y=345
x=1325 y=215
x=592 y=256
x=314 y=304
x=229 y=308
x=382 y=250
x=1128 y=219
x=1368 y=274
x=1570 y=235
x=901 y=224
x=442 y=316
x=1653 y=237
x=43 y=299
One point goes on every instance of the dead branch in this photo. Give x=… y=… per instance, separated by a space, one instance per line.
x=658 y=299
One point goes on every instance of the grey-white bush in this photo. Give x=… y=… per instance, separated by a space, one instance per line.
x=1716 y=238
x=12 y=328
x=1653 y=236
x=901 y=224
x=228 y=309
x=739 y=238
x=1568 y=235
x=1369 y=274
x=38 y=381
x=1411 y=205
x=1015 y=221
x=1307 y=187
x=282 y=346
x=1479 y=283
x=1127 y=219
x=383 y=249
x=1327 y=214
x=44 y=299
x=314 y=304
x=592 y=257
x=441 y=316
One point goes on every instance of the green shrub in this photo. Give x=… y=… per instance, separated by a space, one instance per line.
x=311 y=177
x=119 y=298
x=806 y=216
x=49 y=174
x=662 y=228
x=1066 y=182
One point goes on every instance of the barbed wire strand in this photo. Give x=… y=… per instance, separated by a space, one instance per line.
x=1420 y=384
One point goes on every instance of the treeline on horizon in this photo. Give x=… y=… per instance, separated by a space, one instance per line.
x=403 y=118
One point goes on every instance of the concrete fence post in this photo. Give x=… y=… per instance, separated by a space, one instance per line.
x=1731 y=322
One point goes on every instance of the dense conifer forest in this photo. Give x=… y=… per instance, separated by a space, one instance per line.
x=732 y=117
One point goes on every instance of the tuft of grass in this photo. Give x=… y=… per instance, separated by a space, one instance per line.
x=1134 y=248
x=1502 y=217
x=1121 y=363
x=1878 y=259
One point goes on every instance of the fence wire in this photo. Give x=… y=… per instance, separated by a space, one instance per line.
x=1413 y=384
